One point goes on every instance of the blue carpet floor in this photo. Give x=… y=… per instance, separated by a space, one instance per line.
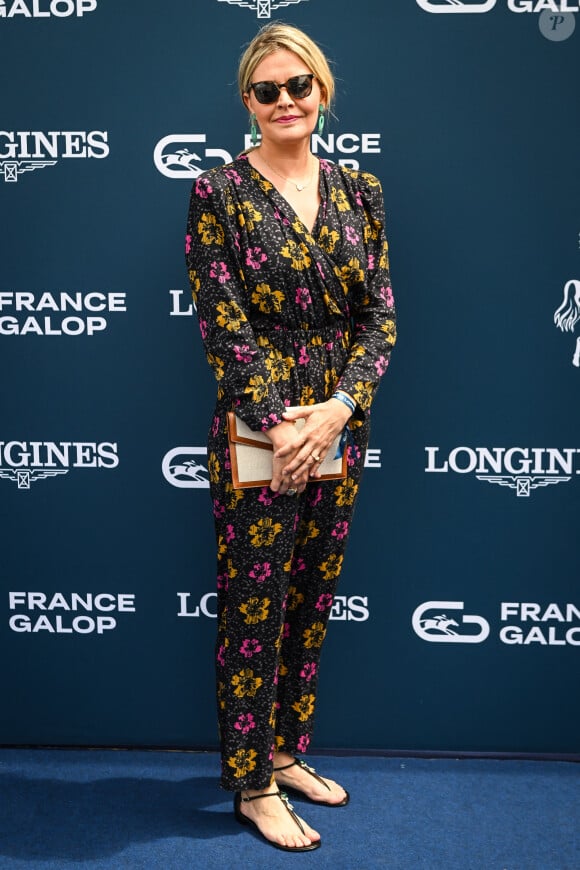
x=164 y=811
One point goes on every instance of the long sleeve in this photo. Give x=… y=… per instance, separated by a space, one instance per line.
x=371 y=300
x=218 y=286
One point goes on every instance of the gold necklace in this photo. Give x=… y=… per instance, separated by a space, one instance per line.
x=299 y=187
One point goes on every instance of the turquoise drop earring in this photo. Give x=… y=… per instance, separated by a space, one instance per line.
x=321 y=119
x=253 y=130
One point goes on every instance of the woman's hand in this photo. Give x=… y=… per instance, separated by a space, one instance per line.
x=285 y=437
x=301 y=460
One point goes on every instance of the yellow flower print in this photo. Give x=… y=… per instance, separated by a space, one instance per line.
x=371 y=180
x=356 y=351
x=307 y=396
x=211 y=232
x=330 y=378
x=389 y=328
x=363 y=393
x=263 y=341
x=306 y=532
x=220 y=694
x=279 y=743
x=217 y=365
x=304 y=707
x=195 y=284
x=232 y=571
x=246 y=683
x=230 y=315
x=329 y=301
x=214 y=467
x=257 y=388
x=249 y=216
x=233 y=496
x=298 y=253
x=243 y=762
x=222 y=547
x=279 y=366
x=264 y=532
x=314 y=635
x=263 y=182
x=266 y=299
x=282 y=669
x=294 y=598
x=339 y=198
x=255 y=610
x=328 y=239
x=346 y=491
x=332 y=567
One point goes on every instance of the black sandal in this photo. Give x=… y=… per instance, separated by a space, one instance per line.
x=319 y=779
x=244 y=820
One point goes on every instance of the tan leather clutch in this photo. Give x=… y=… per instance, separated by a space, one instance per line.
x=251 y=455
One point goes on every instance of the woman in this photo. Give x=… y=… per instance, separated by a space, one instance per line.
x=288 y=266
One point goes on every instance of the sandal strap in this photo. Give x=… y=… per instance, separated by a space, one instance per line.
x=307 y=768
x=283 y=797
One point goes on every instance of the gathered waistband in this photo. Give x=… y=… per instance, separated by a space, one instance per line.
x=310 y=337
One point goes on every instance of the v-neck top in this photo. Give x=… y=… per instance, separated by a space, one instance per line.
x=287 y=316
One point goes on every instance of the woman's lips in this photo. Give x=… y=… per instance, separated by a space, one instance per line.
x=286 y=119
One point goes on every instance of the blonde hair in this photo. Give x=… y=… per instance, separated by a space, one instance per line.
x=276 y=36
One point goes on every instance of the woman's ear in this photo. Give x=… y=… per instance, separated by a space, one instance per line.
x=246 y=99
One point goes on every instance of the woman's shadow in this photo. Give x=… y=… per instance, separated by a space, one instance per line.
x=61 y=818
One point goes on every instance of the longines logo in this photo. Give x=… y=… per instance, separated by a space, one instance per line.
x=351 y=608
x=182 y=468
x=25 y=462
x=46 y=8
x=263 y=8
x=26 y=151
x=522 y=469
x=173 y=158
x=567 y=316
x=529 y=622
x=456 y=5
x=26 y=313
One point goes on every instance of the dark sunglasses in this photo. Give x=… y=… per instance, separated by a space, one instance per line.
x=298 y=87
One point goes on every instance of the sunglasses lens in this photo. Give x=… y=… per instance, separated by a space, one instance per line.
x=300 y=86
x=266 y=92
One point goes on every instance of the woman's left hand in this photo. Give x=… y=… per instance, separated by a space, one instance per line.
x=324 y=421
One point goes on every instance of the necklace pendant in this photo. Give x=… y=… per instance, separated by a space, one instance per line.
x=300 y=187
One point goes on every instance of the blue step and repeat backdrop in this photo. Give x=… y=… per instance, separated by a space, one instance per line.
x=457 y=623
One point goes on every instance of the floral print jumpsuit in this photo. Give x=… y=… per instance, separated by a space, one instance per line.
x=287 y=316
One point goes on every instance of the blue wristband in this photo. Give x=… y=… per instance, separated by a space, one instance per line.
x=346 y=400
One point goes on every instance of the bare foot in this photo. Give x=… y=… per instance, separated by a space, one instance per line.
x=273 y=820
x=299 y=778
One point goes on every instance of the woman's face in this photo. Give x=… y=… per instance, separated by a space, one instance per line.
x=287 y=120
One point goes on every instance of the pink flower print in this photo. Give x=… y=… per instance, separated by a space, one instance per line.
x=298 y=565
x=235 y=176
x=261 y=571
x=230 y=533
x=303 y=358
x=227 y=462
x=371 y=262
x=325 y=166
x=218 y=509
x=187 y=244
x=387 y=296
x=245 y=723
x=302 y=744
x=255 y=257
x=352 y=455
x=243 y=353
x=351 y=235
x=203 y=328
x=340 y=531
x=270 y=420
x=381 y=365
x=286 y=630
x=315 y=496
x=329 y=345
x=358 y=198
x=308 y=671
x=303 y=298
x=250 y=647
x=203 y=188
x=324 y=602
x=321 y=271
x=223 y=582
x=215 y=426
x=237 y=245
x=219 y=271
x=220 y=655
x=266 y=496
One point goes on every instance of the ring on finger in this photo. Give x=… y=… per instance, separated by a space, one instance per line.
x=316 y=457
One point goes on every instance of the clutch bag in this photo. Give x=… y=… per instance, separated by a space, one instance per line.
x=251 y=455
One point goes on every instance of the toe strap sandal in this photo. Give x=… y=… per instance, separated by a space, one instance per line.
x=244 y=820
x=312 y=772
